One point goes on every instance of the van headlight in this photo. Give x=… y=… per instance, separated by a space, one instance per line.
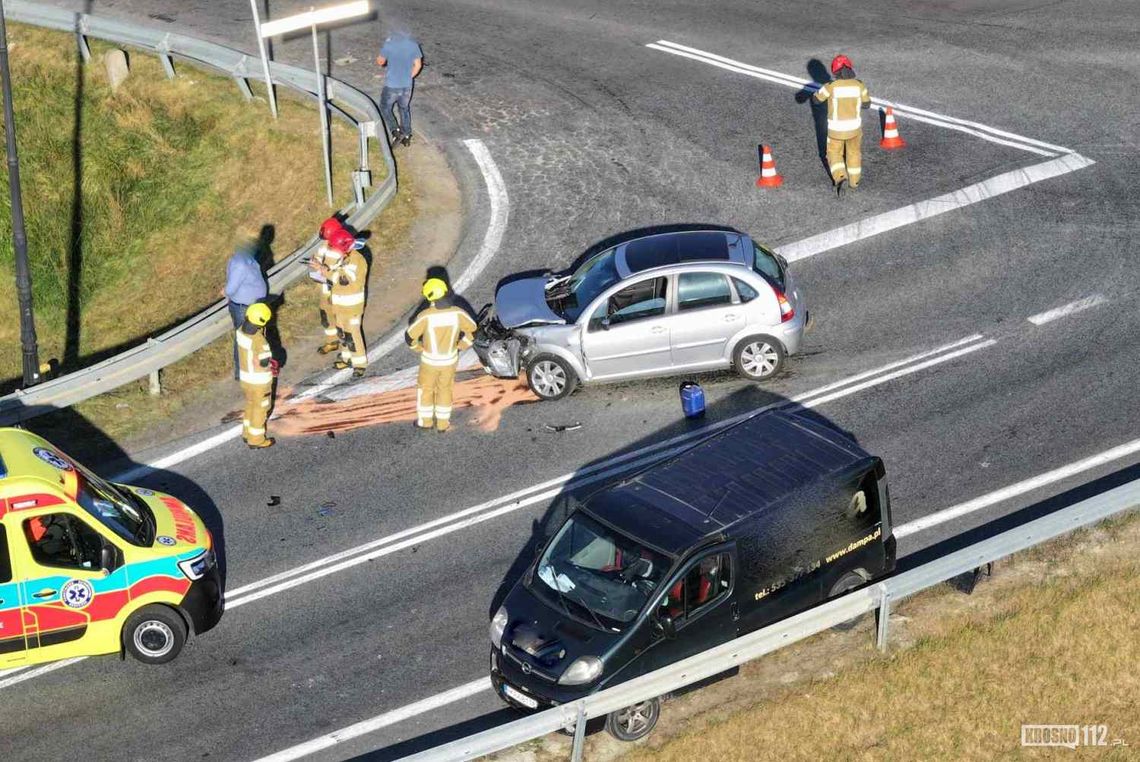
x=585 y=669
x=199 y=565
x=498 y=625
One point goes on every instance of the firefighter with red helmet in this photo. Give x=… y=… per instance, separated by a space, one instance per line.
x=349 y=279
x=320 y=265
x=846 y=97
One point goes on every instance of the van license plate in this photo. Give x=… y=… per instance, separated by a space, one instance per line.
x=520 y=697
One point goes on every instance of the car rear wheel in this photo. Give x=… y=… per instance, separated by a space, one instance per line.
x=154 y=634
x=634 y=722
x=758 y=357
x=550 y=377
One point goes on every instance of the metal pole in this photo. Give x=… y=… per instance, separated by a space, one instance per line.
x=30 y=351
x=326 y=148
x=264 y=58
x=579 y=734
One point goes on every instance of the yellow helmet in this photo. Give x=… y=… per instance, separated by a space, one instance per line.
x=258 y=314
x=434 y=289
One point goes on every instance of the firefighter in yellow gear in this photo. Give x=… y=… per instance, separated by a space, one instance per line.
x=438 y=334
x=846 y=98
x=320 y=268
x=256 y=370
x=349 y=278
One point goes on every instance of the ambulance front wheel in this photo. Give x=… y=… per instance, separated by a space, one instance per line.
x=154 y=634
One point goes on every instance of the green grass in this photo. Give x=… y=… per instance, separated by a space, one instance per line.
x=172 y=175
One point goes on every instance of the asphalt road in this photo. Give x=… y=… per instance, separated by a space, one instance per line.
x=595 y=134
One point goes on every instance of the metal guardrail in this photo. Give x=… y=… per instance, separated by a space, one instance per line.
x=159 y=351
x=876 y=597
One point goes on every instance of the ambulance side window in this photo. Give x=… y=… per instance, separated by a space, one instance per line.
x=60 y=539
x=5 y=564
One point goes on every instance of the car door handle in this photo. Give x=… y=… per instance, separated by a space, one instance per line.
x=730 y=317
x=45 y=593
x=657 y=329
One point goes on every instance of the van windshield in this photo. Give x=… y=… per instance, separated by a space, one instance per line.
x=111 y=507
x=602 y=576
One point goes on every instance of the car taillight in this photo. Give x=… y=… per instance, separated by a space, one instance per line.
x=786 y=310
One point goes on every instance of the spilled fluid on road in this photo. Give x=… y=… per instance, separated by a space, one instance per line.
x=487 y=397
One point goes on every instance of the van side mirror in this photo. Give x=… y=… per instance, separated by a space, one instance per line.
x=665 y=626
x=108 y=558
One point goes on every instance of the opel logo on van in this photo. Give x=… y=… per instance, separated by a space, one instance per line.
x=526 y=668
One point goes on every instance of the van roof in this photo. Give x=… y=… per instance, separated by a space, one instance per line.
x=19 y=458
x=728 y=477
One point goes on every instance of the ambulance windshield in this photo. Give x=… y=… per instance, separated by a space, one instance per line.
x=111 y=507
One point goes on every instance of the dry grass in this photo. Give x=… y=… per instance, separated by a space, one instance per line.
x=1052 y=640
x=174 y=174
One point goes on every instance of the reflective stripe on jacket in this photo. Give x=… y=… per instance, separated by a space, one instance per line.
x=253 y=358
x=844 y=112
x=439 y=333
x=349 y=280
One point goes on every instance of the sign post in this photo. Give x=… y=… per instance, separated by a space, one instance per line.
x=264 y=58
x=312 y=19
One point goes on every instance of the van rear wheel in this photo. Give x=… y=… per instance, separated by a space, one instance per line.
x=634 y=722
x=154 y=634
x=846 y=584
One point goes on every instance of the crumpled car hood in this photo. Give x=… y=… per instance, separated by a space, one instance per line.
x=523 y=302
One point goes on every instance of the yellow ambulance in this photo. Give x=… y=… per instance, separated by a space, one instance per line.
x=89 y=567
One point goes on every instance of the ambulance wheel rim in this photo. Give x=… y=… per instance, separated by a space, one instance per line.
x=759 y=359
x=549 y=378
x=153 y=638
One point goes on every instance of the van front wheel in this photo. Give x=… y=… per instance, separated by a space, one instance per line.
x=154 y=634
x=634 y=722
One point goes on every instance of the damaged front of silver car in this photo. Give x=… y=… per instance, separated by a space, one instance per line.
x=523 y=331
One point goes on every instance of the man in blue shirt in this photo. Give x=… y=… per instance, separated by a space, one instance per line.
x=402 y=55
x=245 y=285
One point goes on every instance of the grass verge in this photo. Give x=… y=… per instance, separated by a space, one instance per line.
x=1050 y=640
x=169 y=176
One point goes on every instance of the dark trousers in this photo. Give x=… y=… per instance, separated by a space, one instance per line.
x=396 y=96
x=237 y=316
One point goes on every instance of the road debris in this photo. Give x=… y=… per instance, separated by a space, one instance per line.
x=274 y=501
x=563 y=427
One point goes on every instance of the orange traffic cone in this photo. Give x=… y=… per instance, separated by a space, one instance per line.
x=891 y=137
x=768 y=177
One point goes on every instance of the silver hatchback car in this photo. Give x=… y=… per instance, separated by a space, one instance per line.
x=660 y=304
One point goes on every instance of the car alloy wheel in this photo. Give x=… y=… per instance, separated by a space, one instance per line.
x=634 y=722
x=154 y=639
x=550 y=377
x=759 y=359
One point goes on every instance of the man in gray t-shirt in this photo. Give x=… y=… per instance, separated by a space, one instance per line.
x=402 y=55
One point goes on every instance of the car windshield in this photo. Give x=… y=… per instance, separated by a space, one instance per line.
x=110 y=506
x=592 y=568
x=594 y=276
x=765 y=263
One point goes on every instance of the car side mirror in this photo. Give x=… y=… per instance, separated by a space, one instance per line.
x=604 y=323
x=666 y=627
x=108 y=558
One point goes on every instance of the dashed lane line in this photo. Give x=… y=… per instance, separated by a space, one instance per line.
x=1065 y=310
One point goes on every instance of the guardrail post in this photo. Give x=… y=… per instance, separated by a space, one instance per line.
x=884 y=616
x=84 y=48
x=364 y=128
x=579 y=733
x=243 y=86
x=163 y=51
x=155 y=387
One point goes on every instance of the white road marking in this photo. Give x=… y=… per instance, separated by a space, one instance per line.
x=986 y=132
x=1042 y=318
x=922 y=210
x=380 y=721
x=141 y=470
x=1020 y=488
x=500 y=210
x=610 y=468
x=28 y=674
x=477 y=686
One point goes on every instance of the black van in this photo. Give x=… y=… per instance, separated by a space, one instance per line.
x=752 y=525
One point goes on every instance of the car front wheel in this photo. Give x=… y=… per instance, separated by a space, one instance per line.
x=634 y=722
x=550 y=377
x=758 y=358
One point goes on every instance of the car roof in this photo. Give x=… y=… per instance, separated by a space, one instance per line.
x=731 y=476
x=665 y=249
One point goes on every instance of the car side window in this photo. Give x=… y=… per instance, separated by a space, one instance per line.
x=59 y=539
x=744 y=291
x=5 y=562
x=645 y=299
x=706 y=583
x=698 y=290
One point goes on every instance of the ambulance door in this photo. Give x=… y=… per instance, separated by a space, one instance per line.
x=12 y=645
x=59 y=570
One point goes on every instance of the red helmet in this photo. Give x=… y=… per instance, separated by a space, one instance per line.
x=839 y=62
x=342 y=240
x=330 y=226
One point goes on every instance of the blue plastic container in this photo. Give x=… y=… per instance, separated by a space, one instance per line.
x=692 y=399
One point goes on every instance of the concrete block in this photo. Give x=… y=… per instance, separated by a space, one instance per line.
x=117 y=67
